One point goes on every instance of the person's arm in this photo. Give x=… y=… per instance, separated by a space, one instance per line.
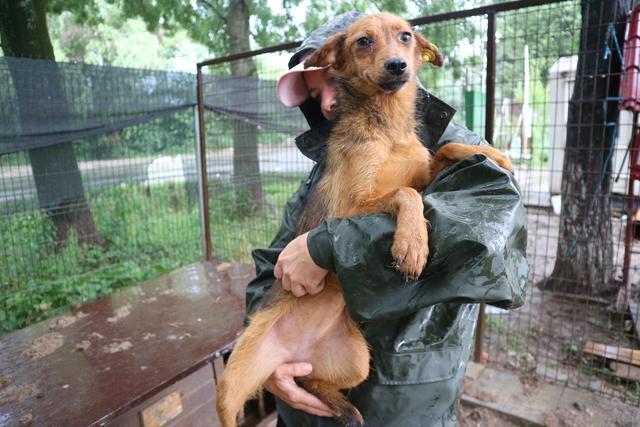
x=265 y=259
x=477 y=244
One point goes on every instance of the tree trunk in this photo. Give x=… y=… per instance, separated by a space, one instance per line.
x=24 y=33
x=584 y=261
x=246 y=166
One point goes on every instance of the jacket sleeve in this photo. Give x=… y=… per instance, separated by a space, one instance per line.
x=477 y=244
x=265 y=258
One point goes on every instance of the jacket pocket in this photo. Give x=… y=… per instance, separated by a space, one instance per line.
x=416 y=367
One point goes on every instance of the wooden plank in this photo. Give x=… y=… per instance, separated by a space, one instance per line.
x=162 y=411
x=196 y=394
x=218 y=367
x=625 y=371
x=621 y=354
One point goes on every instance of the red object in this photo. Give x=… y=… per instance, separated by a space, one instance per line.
x=630 y=85
x=484 y=357
x=634 y=165
x=630 y=100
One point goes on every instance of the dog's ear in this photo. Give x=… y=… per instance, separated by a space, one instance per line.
x=330 y=53
x=427 y=51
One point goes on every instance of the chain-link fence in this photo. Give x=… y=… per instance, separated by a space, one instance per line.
x=98 y=182
x=556 y=110
x=253 y=164
x=540 y=79
x=558 y=114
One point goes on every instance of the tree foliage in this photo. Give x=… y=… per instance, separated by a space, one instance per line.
x=111 y=39
x=205 y=21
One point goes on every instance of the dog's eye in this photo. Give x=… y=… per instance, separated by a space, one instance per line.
x=404 y=37
x=364 y=42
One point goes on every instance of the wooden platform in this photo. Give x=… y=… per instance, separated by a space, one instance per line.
x=109 y=361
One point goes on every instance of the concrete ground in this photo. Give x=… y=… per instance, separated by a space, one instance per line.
x=493 y=398
x=529 y=402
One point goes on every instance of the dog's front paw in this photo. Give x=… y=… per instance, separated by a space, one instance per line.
x=410 y=252
x=500 y=159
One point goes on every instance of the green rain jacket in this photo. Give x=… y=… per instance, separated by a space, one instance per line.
x=420 y=333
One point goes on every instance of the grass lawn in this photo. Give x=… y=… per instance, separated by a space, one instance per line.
x=150 y=232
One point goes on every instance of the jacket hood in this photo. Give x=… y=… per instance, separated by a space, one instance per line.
x=317 y=37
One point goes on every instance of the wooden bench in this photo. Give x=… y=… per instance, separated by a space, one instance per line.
x=146 y=356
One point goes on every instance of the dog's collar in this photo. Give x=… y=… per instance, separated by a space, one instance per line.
x=432 y=115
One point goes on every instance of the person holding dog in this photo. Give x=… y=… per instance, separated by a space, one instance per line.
x=420 y=333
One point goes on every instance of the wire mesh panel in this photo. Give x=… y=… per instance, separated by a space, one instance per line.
x=253 y=164
x=98 y=183
x=579 y=326
x=461 y=81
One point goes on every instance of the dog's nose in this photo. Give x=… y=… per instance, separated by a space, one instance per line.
x=395 y=66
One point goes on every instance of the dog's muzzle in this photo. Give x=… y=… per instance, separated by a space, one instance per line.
x=396 y=74
x=396 y=66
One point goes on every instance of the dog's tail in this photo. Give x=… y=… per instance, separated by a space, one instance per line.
x=251 y=363
x=346 y=413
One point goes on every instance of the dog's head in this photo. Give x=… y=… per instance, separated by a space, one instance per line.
x=378 y=52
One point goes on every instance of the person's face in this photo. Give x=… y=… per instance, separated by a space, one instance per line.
x=322 y=89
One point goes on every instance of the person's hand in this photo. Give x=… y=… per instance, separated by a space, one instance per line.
x=282 y=384
x=296 y=269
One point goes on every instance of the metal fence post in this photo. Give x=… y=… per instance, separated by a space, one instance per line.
x=201 y=153
x=488 y=135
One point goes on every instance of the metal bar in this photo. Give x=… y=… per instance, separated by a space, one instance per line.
x=199 y=174
x=477 y=347
x=628 y=237
x=483 y=10
x=491 y=77
x=204 y=193
x=229 y=58
x=488 y=134
x=479 y=11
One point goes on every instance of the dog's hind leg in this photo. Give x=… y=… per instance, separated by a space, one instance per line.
x=347 y=414
x=254 y=358
x=341 y=361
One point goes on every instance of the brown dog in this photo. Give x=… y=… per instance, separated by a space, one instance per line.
x=375 y=163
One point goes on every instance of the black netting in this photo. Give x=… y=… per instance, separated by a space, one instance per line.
x=253 y=101
x=44 y=103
